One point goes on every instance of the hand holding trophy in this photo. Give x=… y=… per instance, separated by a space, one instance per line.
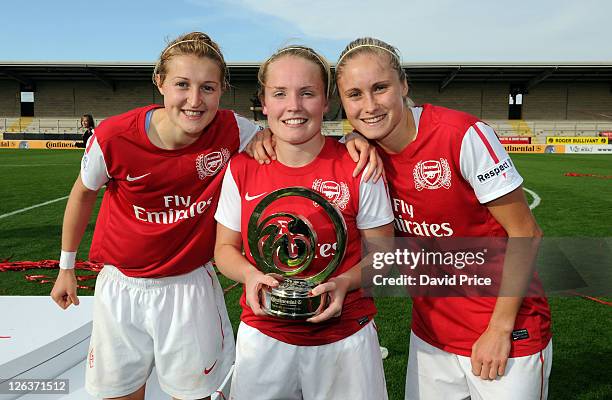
x=254 y=281
x=283 y=246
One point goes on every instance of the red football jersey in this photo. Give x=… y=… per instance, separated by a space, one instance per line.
x=157 y=214
x=438 y=185
x=363 y=205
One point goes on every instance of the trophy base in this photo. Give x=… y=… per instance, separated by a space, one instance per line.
x=292 y=300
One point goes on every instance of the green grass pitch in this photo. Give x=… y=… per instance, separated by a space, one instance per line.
x=571 y=206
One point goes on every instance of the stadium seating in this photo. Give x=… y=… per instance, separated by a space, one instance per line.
x=539 y=129
x=41 y=125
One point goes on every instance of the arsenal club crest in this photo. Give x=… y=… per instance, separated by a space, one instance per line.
x=334 y=192
x=432 y=174
x=211 y=163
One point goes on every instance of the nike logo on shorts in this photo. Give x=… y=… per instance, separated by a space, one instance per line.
x=249 y=198
x=208 y=370
x=135 y=178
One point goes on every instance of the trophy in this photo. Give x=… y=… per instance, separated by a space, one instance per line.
x=284 y=245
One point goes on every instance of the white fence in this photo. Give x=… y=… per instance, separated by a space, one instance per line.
x=41 y=125
x=549 y=128
x=537 y=129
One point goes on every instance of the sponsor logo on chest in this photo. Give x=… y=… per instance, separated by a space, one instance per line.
x=414 y=223
x=211 y=163
x=432 y=174
x=336 y=193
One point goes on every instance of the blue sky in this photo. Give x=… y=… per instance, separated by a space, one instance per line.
x=250 y=30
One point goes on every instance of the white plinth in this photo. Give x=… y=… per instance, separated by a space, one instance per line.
x=42 y=341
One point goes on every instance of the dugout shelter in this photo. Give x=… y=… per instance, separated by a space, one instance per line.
x=536 y=99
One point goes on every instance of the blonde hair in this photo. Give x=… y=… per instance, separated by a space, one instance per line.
x=194 y=43
x=379 y=48
x=298 y=51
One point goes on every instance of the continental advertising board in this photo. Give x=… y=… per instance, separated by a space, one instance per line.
x=534 y=148
x=39 y=144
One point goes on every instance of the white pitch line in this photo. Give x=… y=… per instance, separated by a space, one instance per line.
x=32 y=207
x=536 y=199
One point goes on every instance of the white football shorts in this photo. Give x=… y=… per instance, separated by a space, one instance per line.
x=437 y=374
x=179 y=324
x=267 y=368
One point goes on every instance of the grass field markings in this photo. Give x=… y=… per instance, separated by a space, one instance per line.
x=35 y=165
x=32 y=207
x=536 y=199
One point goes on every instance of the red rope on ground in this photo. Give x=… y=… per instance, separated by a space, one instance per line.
x=6 y=265
x=588 y=175
x=46 y=264
x=595 y=299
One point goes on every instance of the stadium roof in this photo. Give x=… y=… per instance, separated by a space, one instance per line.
x=526 y=74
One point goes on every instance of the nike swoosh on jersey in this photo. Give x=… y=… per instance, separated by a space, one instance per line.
x=135 y=178
x=207 y=370
x=249 y=198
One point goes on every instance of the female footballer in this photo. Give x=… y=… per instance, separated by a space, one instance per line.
x=436 y=162
x=334 y=354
